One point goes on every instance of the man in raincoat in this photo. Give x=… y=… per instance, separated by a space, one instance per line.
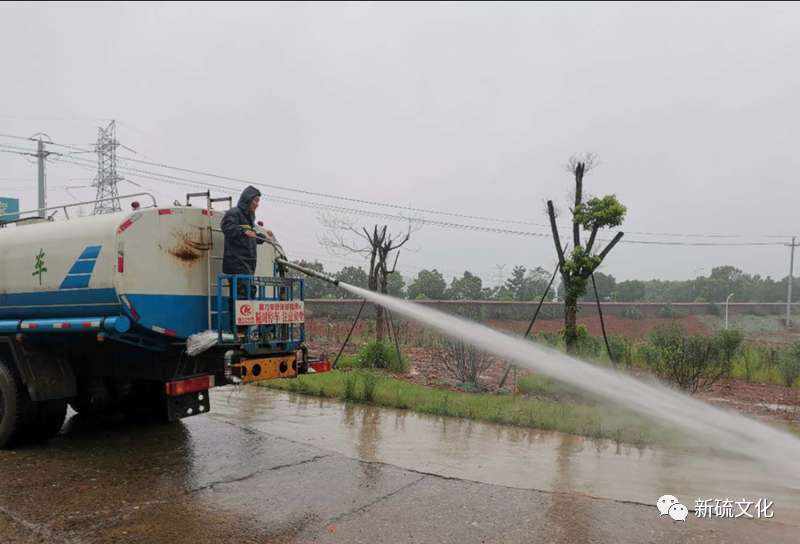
x=241 y=238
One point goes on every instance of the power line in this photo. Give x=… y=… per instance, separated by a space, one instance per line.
x=401 y=207
x=408 y=208
x=13 y=152
x=13 y=137
x=383 y=215
x=316 y=193
x=424 y=221
x=17 y=148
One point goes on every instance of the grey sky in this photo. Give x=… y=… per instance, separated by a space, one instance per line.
x=470 y=108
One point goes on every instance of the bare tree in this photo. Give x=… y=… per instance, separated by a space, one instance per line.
x=375 y=244
x=462 y=361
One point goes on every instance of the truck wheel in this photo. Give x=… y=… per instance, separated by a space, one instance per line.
x=93 y=397
x=47 y=418
x=13 y=405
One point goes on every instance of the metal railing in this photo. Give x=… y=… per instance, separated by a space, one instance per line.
x=209 y=199
x=256 y=288
x=65 y=208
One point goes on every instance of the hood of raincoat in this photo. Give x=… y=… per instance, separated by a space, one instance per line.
x=246 y=197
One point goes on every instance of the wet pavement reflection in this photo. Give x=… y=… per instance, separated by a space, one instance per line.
x=507 y=456
x=268 y=466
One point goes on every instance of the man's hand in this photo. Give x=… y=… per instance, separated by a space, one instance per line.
x=250 y=233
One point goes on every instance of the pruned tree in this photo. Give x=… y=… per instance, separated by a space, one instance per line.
x=377 y=245
x=588 y=215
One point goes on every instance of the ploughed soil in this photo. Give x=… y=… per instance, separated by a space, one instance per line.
x=762 y=400
x=324 y=329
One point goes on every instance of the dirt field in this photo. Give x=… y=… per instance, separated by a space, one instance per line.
x=763 y=400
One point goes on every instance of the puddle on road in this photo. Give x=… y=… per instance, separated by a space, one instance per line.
x=503 y=455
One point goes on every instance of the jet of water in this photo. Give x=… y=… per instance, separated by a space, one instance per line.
x=776 y=450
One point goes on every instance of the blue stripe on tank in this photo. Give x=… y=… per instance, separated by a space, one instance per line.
x=184 y=314
x=91 y=252
x=75 y=303
x=76 y=281
x=81 y=272
x=82 y=267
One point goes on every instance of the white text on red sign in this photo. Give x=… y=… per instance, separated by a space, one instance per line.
x=253 y=312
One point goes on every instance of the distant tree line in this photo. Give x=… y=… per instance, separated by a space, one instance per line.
x=525 y=284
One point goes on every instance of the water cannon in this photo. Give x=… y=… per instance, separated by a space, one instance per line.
x=307 y=271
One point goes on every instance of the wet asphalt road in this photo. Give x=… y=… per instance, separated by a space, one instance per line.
x=269 y=467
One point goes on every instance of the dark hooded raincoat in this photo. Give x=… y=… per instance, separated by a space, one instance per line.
x=239 y=255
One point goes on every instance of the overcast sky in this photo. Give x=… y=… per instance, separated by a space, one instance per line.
x=466 y=108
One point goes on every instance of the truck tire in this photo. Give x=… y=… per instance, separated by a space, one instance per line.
x=14 y=405
x=46 y=419
x=93 y=398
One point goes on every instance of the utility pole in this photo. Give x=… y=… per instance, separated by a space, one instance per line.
x=41 y=155
x=41 y=160
x=107 y=178
x=789 y=286
x=41 y=177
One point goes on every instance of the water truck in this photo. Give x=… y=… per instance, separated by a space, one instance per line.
x=106 y=312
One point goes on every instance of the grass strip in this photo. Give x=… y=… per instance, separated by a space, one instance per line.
x=370 y=387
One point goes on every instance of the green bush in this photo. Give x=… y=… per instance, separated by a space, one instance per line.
x=749 y=362
x=370 y=381
x=632 y=312
x=552 y=339
x=381 y=355
x=648 y=354
x=349 y=386
x=691 y=362
x=729 y=342
x=667 y=311
x=789 y=365
x=588 y=345
x=349 y=361
x=770 y=356
x=621 y=350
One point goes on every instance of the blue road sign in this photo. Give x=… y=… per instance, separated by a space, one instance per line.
x=9 y=206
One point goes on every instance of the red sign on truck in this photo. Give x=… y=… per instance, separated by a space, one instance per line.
x=265 y=312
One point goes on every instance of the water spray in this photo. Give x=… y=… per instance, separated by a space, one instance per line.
x=718 y=429
x=714 y=427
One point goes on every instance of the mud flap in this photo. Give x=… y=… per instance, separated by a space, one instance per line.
x=46 y=376
x=188 y=405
